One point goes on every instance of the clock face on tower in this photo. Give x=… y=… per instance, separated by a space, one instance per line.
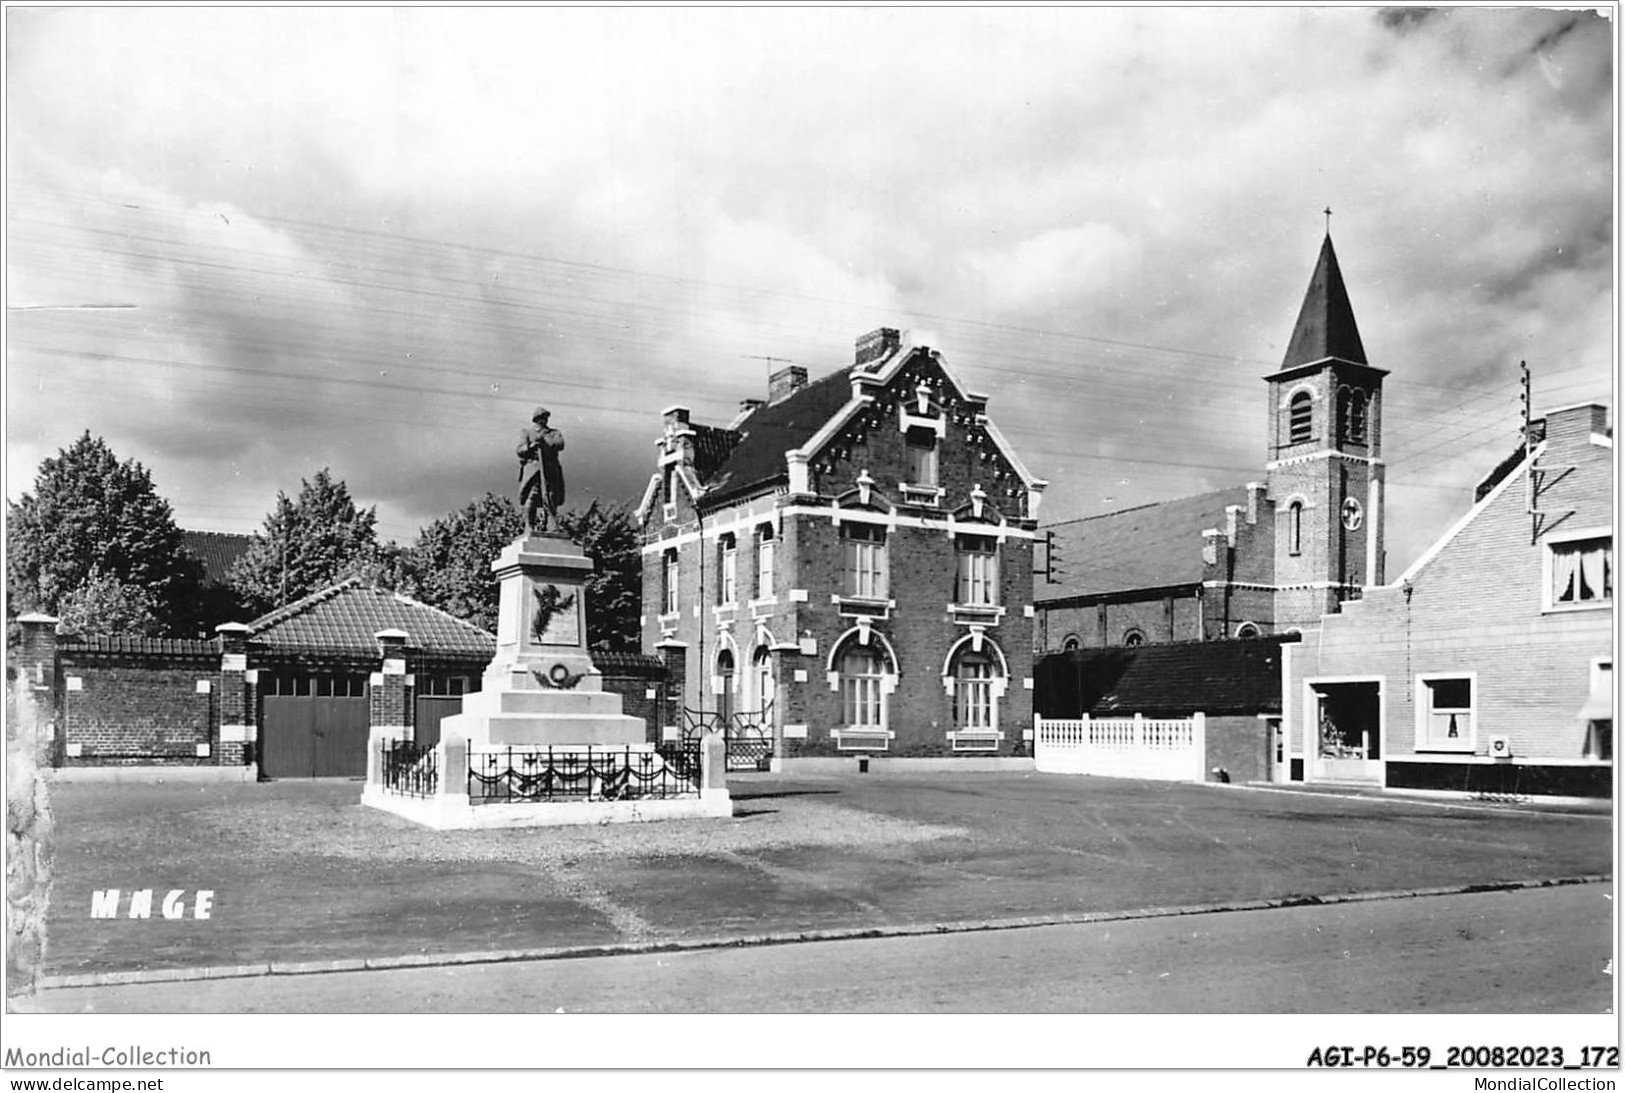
x=1353 y=515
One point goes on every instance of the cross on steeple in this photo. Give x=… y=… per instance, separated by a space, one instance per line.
x=1328 y=211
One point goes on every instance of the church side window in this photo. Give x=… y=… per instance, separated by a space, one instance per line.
x=1294 y=528
x=1300 y=418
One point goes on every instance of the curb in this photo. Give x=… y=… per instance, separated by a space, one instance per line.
x=635 y=948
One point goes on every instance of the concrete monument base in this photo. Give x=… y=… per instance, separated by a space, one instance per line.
x=542 y=711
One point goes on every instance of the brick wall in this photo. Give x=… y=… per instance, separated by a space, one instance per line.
x=1477 y=607
x=128 y=713
x=1240 y=745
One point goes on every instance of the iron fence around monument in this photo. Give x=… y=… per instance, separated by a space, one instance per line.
x=409 y=769
x=588 y=773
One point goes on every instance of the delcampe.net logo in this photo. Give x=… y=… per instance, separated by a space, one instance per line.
x=106 y=902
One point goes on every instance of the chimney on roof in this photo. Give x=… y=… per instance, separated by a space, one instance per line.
x=1255 y=496
x=1572 y=423
x=877 y=345
x=785 y=382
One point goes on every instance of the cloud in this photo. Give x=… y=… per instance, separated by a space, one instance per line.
x=372 y=238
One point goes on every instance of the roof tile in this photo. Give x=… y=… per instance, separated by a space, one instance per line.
x=345 y=618
x=1151 y=546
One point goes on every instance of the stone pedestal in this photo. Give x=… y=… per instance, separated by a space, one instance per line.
x=541 y=687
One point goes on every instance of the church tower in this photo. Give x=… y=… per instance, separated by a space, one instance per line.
x=1324 y=464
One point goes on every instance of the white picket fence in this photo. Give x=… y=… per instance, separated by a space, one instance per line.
x=1167 y=749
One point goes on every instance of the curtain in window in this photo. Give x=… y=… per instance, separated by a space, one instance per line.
x=1595 y=579
x=1565 y=575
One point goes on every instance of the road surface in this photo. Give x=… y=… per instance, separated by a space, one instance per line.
x=1531 y=951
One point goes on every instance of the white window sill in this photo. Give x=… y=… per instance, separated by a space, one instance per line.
x=1568 y=608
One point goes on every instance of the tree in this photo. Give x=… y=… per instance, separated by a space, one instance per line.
x=309 y=544
x=609 y=536
x=92 y=514
x=104 y=606
x=449 y=567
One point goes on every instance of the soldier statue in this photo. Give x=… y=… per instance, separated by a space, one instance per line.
x=541 y=481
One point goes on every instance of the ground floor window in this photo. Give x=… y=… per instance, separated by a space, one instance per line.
x=973 y=693
x=862 y=704
x=1445 y=713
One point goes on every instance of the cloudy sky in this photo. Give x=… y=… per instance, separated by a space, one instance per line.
x=247 y=244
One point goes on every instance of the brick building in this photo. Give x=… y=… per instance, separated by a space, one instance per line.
x=1488 y=665
x=845 y=569
x=1263 y=557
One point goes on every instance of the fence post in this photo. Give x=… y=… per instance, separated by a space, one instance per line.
x=1139 y=732
x=1038 y=741
x=1199 y=743
x=451 y=756
x=713 y=764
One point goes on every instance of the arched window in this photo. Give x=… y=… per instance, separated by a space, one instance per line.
x=862 y=703
x=1071 y=644
x=1247 y=630
x=727 y=569
x=1300 y=418
x=764 y=561
x=1294 y=528
x=1357 y=417
x=761 y=672
x=668 y=587
x=974 y=710
x=1134 y=636
x=725 y=681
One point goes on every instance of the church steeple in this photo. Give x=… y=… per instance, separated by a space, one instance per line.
x=1325 y=326
x=1325 y=468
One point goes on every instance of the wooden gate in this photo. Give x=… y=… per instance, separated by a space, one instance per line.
x=314 y=726
x=431 y=710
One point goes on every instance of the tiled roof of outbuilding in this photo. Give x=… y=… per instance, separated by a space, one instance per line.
x=1151 y=546
x=1239 y=676
x=217 y=550
x=346 y=617
x=774 y=429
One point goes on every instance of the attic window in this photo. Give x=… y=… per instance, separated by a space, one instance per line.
x=1300 y=418
x=1134 y=636
x=922 y=457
